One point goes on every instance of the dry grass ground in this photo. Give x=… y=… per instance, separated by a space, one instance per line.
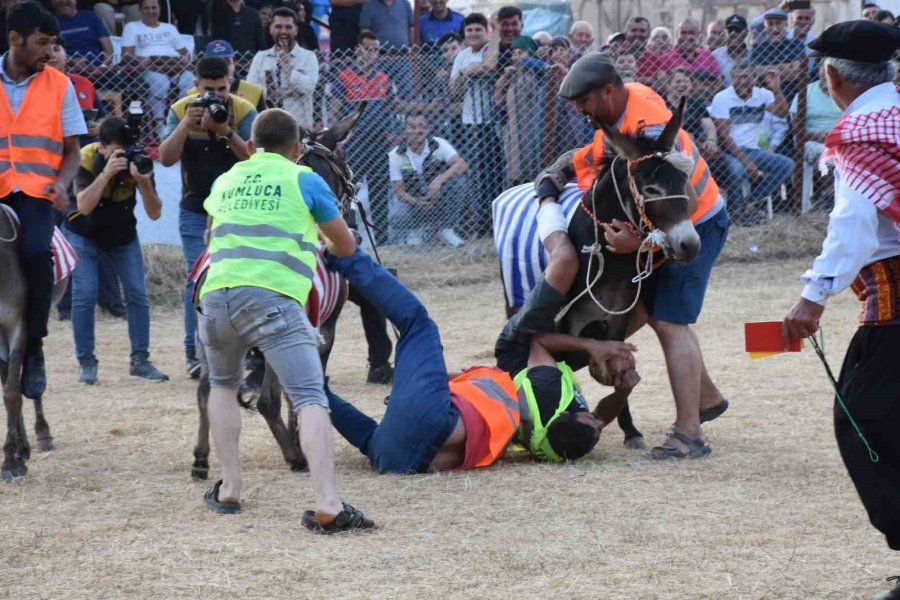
x=112 y=513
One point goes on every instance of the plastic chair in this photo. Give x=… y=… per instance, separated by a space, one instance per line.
x=189 y=42
x=116 y=42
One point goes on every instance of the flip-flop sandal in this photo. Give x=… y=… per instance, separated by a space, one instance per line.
x=710 y=414
x=349 y=519
x=696 y=448
x=211 y=500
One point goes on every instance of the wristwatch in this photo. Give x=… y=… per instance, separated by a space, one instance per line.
x=227 y=137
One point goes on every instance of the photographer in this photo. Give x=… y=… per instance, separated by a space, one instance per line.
x=101 y=222
x=207 y=132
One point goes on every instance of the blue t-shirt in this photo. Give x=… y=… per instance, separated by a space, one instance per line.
x=390 y=23
x=431 y=29
x=322 y=203
x=82 y=33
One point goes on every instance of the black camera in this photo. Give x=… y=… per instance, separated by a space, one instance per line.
x=135 y=153
x=218 y=112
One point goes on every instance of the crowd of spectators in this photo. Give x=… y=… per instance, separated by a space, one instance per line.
x=484 y=90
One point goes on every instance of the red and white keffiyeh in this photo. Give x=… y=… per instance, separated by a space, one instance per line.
x=865 y=148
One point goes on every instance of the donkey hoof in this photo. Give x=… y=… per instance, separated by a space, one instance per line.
x=635 y=443
x=199 y=473
x=14 y=473
x=46 y=445
x=299 y=467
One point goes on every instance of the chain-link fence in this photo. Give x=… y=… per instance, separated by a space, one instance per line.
x=440 y=140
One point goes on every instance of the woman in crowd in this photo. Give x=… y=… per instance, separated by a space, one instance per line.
x=660 y=43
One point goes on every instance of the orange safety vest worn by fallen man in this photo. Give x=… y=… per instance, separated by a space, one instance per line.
x=646 y=108
x=31 y=141
x=489 y=407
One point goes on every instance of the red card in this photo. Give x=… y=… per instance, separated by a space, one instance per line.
x=766 y=337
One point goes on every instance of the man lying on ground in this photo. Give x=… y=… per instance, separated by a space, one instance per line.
x=434 y=420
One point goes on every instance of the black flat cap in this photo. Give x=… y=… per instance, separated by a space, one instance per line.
x=592 y=70
x=859 y=40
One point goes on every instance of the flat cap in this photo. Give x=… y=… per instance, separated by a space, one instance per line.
x=592 y=70
x=859 y=40
x=775 y=13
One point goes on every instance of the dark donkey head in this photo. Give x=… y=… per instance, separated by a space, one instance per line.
x=321 y=154
x=652 y=182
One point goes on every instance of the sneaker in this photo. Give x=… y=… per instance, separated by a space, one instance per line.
x=415 y=237
x=146 y=370
x=383 y=374
x=449 y=237
x=87 y=373
x=193 y=364
x=893 y=594
x=34 y=376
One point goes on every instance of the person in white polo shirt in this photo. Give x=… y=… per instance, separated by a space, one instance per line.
x=738 y=112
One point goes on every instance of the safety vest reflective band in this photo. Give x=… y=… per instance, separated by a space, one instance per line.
x=534 y=437
x=263 y=234
x=31 y=140
x=646 y=108
x=491 y=392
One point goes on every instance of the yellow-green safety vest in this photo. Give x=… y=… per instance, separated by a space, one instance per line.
x=534 y=437
x=263 y=234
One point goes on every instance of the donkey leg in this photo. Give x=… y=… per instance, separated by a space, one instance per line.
x=615 y=406
x=42 y=427
x=13 y=465
x=200 y=468
x=270 y=408
x=634 y=439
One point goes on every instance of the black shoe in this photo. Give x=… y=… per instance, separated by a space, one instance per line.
x=34 y=377
x=893 y=594
x=63 y=314
x=349 y=519
x=114 y=310
x=383 y=374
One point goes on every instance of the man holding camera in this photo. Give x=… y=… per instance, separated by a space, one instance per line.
x=207 y=132
x=101 y=222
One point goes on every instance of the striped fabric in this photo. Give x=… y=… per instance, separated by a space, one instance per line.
x=64 y=257
x=878 y=287
x=323 y=297
x=522 y=256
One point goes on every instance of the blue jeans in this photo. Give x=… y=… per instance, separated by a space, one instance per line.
x=128 y=262
x=192 y=226
x=110 y=294
x=419 y=416
x=446 y=212
x=776 y=170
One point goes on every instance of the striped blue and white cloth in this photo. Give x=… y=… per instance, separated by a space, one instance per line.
x=522 y=255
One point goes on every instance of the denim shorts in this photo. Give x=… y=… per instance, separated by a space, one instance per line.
x=232 y=320
x=676 y=293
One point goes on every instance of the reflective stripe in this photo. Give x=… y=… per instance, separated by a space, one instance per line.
x=5 y=165
x=38 y=141
x=493 y=390
x=4 y=143
x=37 y=169
x=701 y=185
x=262 y=231
x=282 y=258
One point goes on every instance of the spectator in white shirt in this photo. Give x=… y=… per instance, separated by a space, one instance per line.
x=427 y=176
x=286 y=71
x=158 y=51
x=739 y=112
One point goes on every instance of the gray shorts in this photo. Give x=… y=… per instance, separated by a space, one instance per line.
x=231 y=321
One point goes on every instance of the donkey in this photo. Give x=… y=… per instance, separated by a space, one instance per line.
x=644 y=185
x=13 y=298
x=321 y=156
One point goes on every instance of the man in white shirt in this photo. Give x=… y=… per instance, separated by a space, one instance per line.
x=427 y=176
x=738 y=112
x=473 y=75
x=862 y=248
x=286 y=71
x=158 y=50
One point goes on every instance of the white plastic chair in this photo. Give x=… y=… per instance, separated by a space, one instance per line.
x=116 y=42
x=811 y=153
x=189 y=43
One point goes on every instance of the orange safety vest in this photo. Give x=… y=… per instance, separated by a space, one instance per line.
x=31 y=141
x=646 y=108
x=491 y=392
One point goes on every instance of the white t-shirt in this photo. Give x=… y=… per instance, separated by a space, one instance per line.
x=445 y=152
x=746 y=116
x=478 y=101
x=162 y=40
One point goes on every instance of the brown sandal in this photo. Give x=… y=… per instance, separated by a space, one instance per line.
x=697 y=448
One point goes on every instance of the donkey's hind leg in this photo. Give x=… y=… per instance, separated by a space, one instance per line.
x=634 y=439
x=42 y=427
x=13 y=461
x=200 y=468
x=269 y=406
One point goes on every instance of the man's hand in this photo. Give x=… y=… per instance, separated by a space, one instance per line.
x=138 y=176
x=619 y=355
x=626 y=380
x=801 y=321
x=434 y=189
x=93 y=128
x=709 y=148
x=753 y=172
x=59 y=196
x=620 y=238
x=115 y=164
x=772 y=80
x=192 y=116
x=209 y=124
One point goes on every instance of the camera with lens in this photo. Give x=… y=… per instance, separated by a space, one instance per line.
x=218 y=112
x=135 y=153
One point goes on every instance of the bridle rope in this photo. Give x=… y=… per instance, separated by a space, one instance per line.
x=12 y=224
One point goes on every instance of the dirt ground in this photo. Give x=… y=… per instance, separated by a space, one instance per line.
x=113 y=513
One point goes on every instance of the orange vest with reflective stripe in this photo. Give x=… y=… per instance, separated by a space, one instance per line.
x=31 y=141
x=491 y=392
x=646 y=108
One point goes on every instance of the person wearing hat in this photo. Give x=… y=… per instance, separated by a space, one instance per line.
x=776 y=51
x=616 y=44
x=862 y=251
x=735 y=49
x=241 y=88
x=600 y=94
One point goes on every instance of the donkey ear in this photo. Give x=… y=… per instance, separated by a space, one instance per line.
x=339 y=132
x=624 y=145
x=667 y=137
